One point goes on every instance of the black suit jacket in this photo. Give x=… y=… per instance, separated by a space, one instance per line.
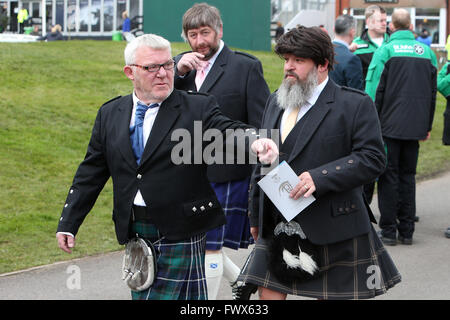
x=236 y=80
x=340 y=145
x=347 y=69
x=170 y=191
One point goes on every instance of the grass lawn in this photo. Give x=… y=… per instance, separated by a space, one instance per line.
x=50 y=94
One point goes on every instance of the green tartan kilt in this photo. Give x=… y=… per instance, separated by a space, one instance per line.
x=180 y=266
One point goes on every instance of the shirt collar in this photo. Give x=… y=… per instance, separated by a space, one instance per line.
x=214 y=57
x=136 y=99
x=317 y=91
x=336 y=40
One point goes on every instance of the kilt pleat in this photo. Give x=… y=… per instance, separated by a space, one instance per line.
x=358 y=268
x=180 y=267
x=235 y=234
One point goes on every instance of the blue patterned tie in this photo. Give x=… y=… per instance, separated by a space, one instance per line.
x=136 y=132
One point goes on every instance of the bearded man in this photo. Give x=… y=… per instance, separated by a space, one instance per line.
x=236 y=80
x=330 y=136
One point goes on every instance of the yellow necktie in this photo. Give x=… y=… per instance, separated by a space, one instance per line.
x=289 y=123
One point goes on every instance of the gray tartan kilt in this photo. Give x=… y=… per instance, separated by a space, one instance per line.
x=358 y=268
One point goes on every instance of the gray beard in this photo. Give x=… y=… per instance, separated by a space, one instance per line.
x=293 y=94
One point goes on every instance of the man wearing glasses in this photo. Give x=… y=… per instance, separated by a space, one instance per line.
x=171 y=206
x=236 y=80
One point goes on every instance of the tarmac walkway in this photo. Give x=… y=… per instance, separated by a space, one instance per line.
x=424 y=266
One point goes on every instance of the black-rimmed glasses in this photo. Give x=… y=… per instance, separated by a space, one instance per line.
x=169 y=65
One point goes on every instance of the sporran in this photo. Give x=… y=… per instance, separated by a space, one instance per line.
x=292 y=257
x=139 y=264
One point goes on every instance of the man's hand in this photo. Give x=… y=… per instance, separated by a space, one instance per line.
x=304 y=188
x=428 y=137
x=189 y=62
x=353 y=47
x=266 y=150
x=65 y=242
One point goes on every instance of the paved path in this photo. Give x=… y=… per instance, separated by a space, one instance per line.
x=425 y=266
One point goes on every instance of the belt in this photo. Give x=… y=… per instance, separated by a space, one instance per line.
x=141 y=214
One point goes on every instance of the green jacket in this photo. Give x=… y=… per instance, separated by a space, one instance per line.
x=402 y=82
x=366 y=48
x=443 y=80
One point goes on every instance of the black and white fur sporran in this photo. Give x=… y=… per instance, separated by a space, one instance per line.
x=292 y=257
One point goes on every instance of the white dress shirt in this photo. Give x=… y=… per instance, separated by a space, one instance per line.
x=149 y=119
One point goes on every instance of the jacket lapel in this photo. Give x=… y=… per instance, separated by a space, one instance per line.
x=123 y=130
x=166 y=117
x=313 y=118
x=216 y=71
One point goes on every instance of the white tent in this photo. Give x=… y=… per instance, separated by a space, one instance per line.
x=307 y=18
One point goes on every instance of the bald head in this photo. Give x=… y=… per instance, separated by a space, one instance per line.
x=400 y=19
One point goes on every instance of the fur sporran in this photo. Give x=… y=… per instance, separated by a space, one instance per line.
x=139 y=264
x=292 y=257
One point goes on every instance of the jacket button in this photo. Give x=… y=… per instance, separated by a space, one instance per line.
x=139 y=176
x=324 y=172
x=338 y=168
x=350 y=161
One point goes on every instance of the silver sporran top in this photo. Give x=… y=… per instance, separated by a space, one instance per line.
x=290 y=228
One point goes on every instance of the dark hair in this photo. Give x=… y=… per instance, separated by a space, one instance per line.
x=309 y=43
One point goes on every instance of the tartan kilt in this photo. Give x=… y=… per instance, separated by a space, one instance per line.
x=180 y=266
x=235 y=234
x=358 y=268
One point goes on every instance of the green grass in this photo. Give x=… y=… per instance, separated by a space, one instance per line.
x=50 y=94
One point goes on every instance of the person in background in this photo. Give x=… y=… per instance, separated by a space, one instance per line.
x=424 y=37
x=373 y=37
x=443 y=86
x=236 y=80
x=22 y=18
x=347 y=69
x=402 y=82
x=126 y=26
x=279 y=31
x=54 y=35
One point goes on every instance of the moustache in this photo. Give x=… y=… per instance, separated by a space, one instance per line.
x=291 y=73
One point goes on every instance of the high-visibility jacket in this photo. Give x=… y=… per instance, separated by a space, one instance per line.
x=22 y=15
x=402 y=82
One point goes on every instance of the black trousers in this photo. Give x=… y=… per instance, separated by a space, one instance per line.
x=397 y=188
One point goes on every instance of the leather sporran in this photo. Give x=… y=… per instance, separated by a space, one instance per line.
x=139 y=264
x=292 y=257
